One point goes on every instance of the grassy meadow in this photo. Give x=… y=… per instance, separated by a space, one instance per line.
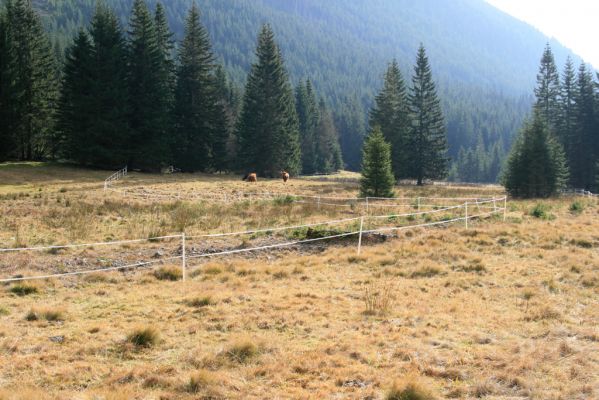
x=498 y=310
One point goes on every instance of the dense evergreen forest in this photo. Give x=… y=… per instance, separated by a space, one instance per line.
x=483 y=60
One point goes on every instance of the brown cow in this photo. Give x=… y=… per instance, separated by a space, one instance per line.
x=250 y=177
x=285 y=176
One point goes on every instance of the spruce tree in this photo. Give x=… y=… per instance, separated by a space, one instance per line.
x=196 y=104
x=327 y=148
x=29 y=89
x=109 y=136
x=268 y=128
x=166 y=45
x=585 y=141
x=377 y=175
x=427 y=142
x=6 y=137
x=548 y=90
x=307 y=112
x=390 y=112
x=566 y=122
x=75 y=114
x=351 y=124
x=536 y=166
x=148 y=97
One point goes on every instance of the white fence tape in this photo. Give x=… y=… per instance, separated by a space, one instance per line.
x=477 y=203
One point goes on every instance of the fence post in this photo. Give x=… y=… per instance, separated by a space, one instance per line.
x=360 y=236
x=183 y=260
x=418 y=203
x=504 y=207
x=494 y=205
x=367 y=205
x=318 y=202
x=466 y=207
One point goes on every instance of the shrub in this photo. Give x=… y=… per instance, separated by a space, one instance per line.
x=576 y=208
x=23 y=289
x=168 y=273
x=242 y=351
x=143 y=337
x=409 y=390
x=4 y=311
x=541 y=211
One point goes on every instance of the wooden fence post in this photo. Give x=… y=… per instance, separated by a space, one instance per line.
x=466 y=207
x=183 y=260
x=360 y=236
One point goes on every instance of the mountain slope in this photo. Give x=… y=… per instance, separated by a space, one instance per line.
x=485 y=61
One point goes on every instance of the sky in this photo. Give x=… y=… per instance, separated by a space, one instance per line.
x=574 y=23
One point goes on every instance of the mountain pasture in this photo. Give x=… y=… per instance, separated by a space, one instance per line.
x=495 y=310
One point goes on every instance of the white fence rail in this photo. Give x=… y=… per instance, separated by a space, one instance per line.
x=118 y=175
x=579 y=192
x=462 y=212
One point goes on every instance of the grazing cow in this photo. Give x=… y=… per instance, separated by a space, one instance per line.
x=250 y=177
x=285 y=176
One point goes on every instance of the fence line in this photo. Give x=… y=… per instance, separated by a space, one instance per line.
x=581 y=192
x=115 y=177
x=88 y=271
x=184 y=257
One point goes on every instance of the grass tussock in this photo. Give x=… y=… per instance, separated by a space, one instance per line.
x=242 y=351
x=199 y=381
x=24 y=289
x=199 y=302
x=144 y=337
x=410 y=389
x=168 y=273
x=46 y=314
x=541 y=211
x=379 y=298
x=576 y=207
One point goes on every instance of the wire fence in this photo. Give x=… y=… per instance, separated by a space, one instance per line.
x=345 y=228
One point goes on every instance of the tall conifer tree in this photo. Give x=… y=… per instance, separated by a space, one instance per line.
x=268 y=126
x=110 y=133
x=566 y=123
x=307 y=112
x=196 y=104
x=327 y=148
x=547 y=91
x=149 y=108
x=427 y=141
x=390 y=112
x=75 y=114
x=29 y=86
x=585 y=143
x=536 y=166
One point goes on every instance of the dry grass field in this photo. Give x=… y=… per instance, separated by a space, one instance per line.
x=501 y=310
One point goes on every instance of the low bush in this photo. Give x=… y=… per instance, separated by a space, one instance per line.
x=47 y=314
x=541 y=211
x=198 y=302
x=577 y=207
x=409 y=390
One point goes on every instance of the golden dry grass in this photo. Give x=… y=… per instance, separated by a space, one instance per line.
x=496 y=311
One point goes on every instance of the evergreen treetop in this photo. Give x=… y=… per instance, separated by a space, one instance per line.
x=377 y=175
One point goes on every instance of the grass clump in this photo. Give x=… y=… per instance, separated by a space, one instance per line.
x=198 y=381
x=47 y=314
x=409 y=389
x=168 y=274
x=426 y=272
x=283 y=200
x=242 y=351
x=199 y=302
x=4 y=311
x=143 y=337
x=541 y=211
x=378 y=298
x=23 y=289
x=577 y=207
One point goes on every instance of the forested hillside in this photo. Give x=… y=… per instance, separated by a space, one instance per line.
x=484 y=60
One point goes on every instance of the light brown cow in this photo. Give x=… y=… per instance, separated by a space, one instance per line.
x=285 y=176
x=250 y=177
